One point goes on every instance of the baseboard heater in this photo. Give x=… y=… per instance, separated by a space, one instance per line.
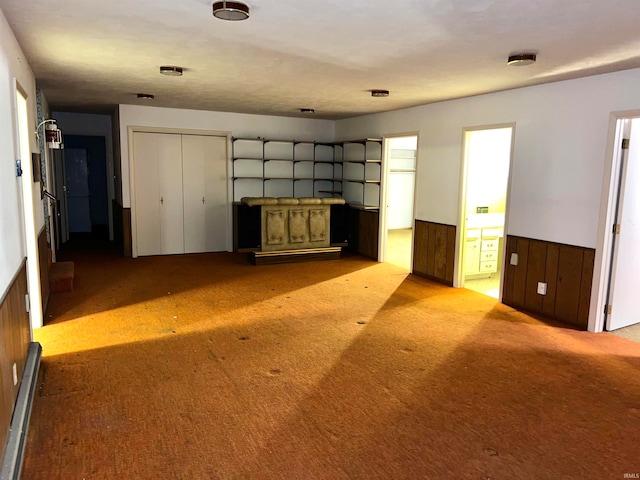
x=14 y=452
x=289 y=256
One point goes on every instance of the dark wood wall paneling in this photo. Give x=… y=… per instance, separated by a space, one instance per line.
x=362 y=231
x=368 y=224
x=15 y=336
x=122 y=228
x=434 y=247
x=44 y=253
x=567 y=270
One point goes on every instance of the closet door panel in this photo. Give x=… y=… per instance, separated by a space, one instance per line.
x=217 y=210
x=146 y=193
x=171 y=203
x=194 y=157
x=205 y=193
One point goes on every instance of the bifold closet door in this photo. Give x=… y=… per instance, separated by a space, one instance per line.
x=204 y=163
x=158 y=193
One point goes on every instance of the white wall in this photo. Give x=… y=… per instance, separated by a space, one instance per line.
x=13 y=65
x=240 y=125
x=560 y=143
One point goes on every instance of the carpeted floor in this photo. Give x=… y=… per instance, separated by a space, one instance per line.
x=205 y=367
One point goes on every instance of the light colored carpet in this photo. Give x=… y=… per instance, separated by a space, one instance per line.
x=399 y=247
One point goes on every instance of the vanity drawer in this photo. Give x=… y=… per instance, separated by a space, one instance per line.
x=489 y=245
x=489 y=256
x=488 y=266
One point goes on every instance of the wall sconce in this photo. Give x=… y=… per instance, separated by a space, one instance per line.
x=52 y=134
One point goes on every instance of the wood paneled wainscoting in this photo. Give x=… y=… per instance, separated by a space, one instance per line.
x=122 y=228
x=567 y=270
x=44 y=260
x=15 y=337
x=363 y=228
x=434 y=251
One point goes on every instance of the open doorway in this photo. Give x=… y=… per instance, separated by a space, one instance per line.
x=84 y=173
x=400 y=161
x=486 y=165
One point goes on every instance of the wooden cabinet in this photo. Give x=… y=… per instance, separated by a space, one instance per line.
x=472 y=252
x=179 y=193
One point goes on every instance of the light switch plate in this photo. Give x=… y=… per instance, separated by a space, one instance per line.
x=514 y=259
x=542 y=288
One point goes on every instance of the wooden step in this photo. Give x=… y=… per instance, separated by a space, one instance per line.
x=290 y=256
x=61 y=277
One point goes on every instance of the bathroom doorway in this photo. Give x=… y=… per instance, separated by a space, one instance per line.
x=485 y=179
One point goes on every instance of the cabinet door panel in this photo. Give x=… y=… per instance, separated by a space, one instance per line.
x=472 y=256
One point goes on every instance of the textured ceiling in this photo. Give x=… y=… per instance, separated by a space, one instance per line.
x=90 y=55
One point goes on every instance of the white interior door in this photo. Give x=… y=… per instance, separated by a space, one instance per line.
x=77 y=182
x=171 y=201
x=205 y=193
x=146 y=194
x=194 y=160
x=623 y=295
x=158 y=193
x=61 y=194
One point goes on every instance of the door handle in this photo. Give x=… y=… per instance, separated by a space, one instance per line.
x=203 y=200
x=161 y=200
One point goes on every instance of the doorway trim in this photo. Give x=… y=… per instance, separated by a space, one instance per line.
x=458 y=279
x=602 y=263
x=384 y=194
x=23 y=141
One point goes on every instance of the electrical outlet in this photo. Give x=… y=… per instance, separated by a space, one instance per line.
x=15 y=374
x=514 y=259
x=542 y=288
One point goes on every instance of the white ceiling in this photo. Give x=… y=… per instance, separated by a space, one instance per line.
x=90 y=55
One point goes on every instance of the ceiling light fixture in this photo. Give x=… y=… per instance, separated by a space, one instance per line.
x=230 y=11
x=308 y=111
x=171 y=71
x=379 y=93
x=521 y=59
x=146 y=96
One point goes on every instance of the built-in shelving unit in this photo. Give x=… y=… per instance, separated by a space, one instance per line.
x=349 y=169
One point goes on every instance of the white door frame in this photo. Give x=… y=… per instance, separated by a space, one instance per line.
x=23 y=140
x=384 y=194
x=458 y=279
x=602 y=263
x=178 y=131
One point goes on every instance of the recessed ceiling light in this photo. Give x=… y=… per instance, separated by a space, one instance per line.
x=522 y=59
x=230 y=11
x=146 y=96
x=309 y=111
x=171 y=71
x=379 y=93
